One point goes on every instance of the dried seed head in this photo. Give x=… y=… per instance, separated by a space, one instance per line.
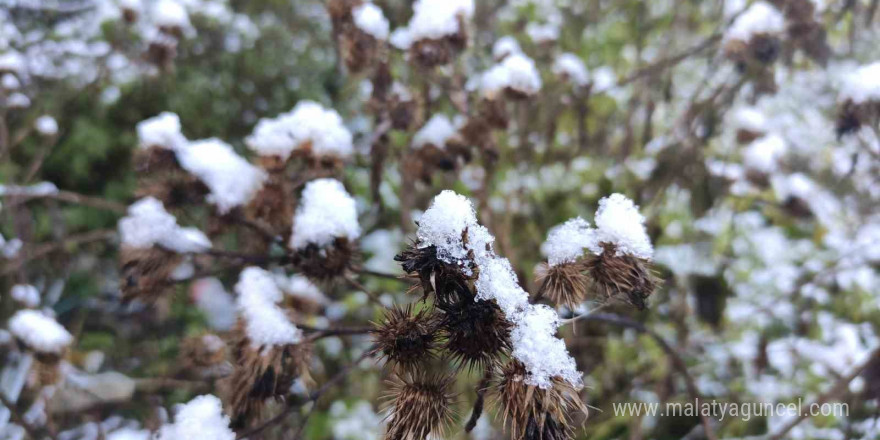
x=764 y=48
x=146 y=272
x=447 y=282
x=420 y=405
x=359 y=49
x=262 y=373
x=532 y=413
x=155 y=159
x=564 y=284
x=621 y=276
x=476 y=332
x=404 y=339
x=328 y=262
x=203 y=351
x=273 y=205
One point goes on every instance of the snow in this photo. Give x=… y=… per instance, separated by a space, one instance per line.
x=498 y=281
x=759 y=18
x=25 y=294
x=232 y=180
x=401 y=38
x=435 y=132
x=9 y=82
x=863 y=85
x=13 y=61
x=505 y=46
x=170 y=13
x=308 y=123
x=540 y=351
x=448 y=218
x=435 y=19
x=18 y=100
x=542 y=33
x=326 y=212
x=571 y=66
x=751 y=119
x=46 y=125
x=443 y=224
x=266 y=324
x=39 y=332
x=763 y=154
x=215 y=302
x=161 y=131
x=619 y=222
x=358 y=423
x=516 y=71
x=129 y=434
x=370 y=19
x=201 y=418
x=148 y=224
x=300 y=287
x=566 y=242
x=41 y=189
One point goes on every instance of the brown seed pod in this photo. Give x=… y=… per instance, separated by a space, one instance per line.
x=202 y=351
x=564 y=283
x=420 y=405
x=532 y=413
x=477 y=333
x=404 y=340
x=446 y=281
x=262 y=373
x=620 y=276
x=146 y=272
x=155 y=158
x=328 y=262
x=273 y=204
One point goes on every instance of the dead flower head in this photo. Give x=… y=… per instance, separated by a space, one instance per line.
x=564 y=283
x=405 y=339
x=532 y=413
x=262 y=373
x=420 y=405
x=621 y=276
x=146 y=272
x=477 y=333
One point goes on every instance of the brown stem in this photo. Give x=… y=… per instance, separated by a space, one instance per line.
x=482 y=387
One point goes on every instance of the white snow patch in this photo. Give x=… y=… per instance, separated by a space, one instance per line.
x=232 y=180
x=39 y=332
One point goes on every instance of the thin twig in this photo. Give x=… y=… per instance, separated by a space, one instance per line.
x=677 y=361
x=44 y=249
x=482 y=387
x=71 y=197
x=388 y=276
x=839 y=387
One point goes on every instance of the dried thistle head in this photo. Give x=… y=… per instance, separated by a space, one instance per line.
x=406 y=339
x=477 y=333
x=563 y=283
x=273 y=205
x=155 y=158
x=620 y=276
x=202 y=351
x=326 y=263
x=146 y=272
x=420 y=405
x=262 y=373
x=359 y=49
x=446 y=281
x=532 y=413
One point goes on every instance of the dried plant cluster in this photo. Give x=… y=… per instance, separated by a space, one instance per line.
x=288 y=214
